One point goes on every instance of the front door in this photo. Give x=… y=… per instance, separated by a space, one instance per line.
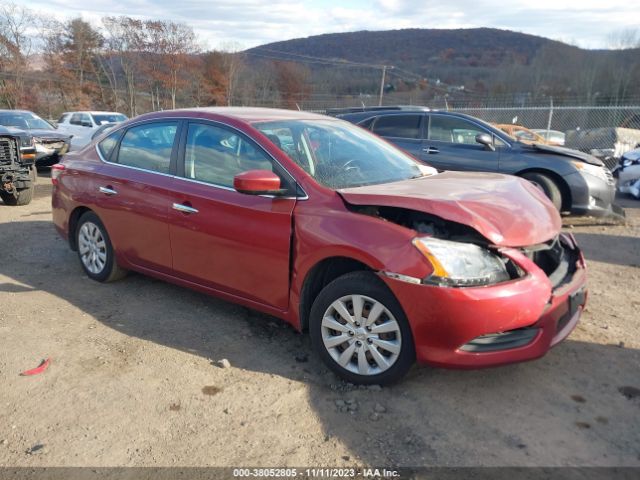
x=222 y=239
x=451 y=145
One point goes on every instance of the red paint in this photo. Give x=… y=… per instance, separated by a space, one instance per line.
x=35 y=371
x=256 y=181
x=257 y=251
x=507 y=210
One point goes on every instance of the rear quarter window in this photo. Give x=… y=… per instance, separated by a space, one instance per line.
x=107 y=146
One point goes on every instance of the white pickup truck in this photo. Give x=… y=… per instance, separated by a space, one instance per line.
x=82 y=125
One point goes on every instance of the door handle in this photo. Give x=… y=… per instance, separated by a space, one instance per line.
x=431 y=150
x=184 y=208
x=107 y=191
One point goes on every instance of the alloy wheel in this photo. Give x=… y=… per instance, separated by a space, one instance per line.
x=92 y=247
x=361 y=335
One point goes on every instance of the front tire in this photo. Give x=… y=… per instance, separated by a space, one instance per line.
x=360 y=331
x=24 y=195
x=95 y=250
x=548 y=187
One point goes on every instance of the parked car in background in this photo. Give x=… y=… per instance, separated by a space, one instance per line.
x=102 y=129
x=628 y=173
x=50 y=144
x=574 y=181
x=553 y=137
x=17 y=171
x=82 y=125
x=521 y=133
x=314 y=220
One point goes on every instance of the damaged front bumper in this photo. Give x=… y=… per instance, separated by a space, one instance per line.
x=514 y=321
x=594 y=196
x=50 y=152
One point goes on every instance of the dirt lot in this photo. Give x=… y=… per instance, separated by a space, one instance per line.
x=134 y=381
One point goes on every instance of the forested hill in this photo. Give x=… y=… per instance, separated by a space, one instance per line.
x=482 y=59
x=418 y=48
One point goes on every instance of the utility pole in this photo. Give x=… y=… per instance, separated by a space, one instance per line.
x=384 y=72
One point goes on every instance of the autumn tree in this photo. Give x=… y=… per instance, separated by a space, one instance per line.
x=293 y=83
x=15 y=47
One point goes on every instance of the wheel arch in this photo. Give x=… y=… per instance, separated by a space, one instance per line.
x=73 y=225
x=565 y=191
x=319 y=276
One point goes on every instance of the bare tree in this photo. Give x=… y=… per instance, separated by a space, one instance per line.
x=15 y=48
x=623 y=39
x=233 y=61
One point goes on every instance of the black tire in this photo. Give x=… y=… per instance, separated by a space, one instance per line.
x=110 y=271
x=24 y=195
x=547 y=185
x=365 y=284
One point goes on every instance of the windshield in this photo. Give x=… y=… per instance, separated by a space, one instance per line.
x=24 y=120
x=338 y=154
x=102 y=118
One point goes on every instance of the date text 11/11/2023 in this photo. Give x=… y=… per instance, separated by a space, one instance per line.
x=315 y=473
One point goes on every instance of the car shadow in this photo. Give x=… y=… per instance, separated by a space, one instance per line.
x=565 y=409
x=614 y=249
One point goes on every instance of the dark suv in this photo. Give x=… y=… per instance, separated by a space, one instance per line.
x=50 y=144
x=575 y=182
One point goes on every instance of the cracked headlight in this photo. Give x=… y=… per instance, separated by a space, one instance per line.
x=457 y=264
x=593 y=170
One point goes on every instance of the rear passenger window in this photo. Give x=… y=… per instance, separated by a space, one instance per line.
x=107 y=145
x=216 y=155
x=400 y=126
x=148 y=146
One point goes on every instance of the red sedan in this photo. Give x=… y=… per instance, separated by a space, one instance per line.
x=316 y=221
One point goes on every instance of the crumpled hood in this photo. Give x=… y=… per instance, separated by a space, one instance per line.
x=11 y=131
x=49 y=134
x=566 y=152
x=506 y=210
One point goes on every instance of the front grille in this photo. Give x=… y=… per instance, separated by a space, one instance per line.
x=555 y=258
x=610 y=179
x=8 y=150
x=501 y=341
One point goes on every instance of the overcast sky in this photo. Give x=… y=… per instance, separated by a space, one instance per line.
x=586 y=23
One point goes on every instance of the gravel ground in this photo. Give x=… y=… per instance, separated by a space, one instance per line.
x=136 y=376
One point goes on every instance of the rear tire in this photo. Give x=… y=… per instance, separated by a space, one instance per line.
x=95 y=250
x=548 y=187
x=350 y=341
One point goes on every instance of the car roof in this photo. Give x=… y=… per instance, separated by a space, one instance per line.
x=4 y=110
x=92 y=112
x=243 y=114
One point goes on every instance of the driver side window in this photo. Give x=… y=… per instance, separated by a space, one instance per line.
x=453 y=130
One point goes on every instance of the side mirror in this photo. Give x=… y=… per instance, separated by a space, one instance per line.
x=486 y=140
x=87 y=124
x=257 y=182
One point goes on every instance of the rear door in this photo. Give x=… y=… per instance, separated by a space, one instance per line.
x=404 y=130
x=222 y=239
x=135 y=191
x=451 y=145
